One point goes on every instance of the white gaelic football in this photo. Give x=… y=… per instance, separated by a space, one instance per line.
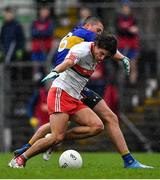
x=70 y=159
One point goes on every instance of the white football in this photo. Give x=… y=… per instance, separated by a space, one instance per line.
x=70 y=159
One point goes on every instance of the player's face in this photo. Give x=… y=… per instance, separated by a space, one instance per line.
x=100 y=54
x=44 y=13
x=96 y=28
x=8 y=16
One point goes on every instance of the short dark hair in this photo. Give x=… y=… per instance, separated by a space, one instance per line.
x=8 y=9
x=107 y=41
x=44 y=7
x=92 y=19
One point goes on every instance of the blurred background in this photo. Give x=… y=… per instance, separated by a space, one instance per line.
x=29 y=35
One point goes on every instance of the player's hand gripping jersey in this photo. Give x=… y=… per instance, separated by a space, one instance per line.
x=74 y=79
x=75 y=37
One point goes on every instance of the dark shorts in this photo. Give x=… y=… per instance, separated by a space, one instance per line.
x=90 y=98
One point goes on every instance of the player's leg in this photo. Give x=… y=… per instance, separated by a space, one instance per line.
x=57 y=102
x=113 y=130
x=83 y=132
x=75 y=133
x=41 y=132
x=90 y=125
x=58 y=125
x=111 y=122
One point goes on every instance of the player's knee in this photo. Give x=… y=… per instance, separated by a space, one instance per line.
x=98 y=127
x=50 y=139
x=59 y=138
x=54 y=139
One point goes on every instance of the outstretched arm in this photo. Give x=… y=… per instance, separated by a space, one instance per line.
x=67 y=63
x=125 y=60
x=118 y=56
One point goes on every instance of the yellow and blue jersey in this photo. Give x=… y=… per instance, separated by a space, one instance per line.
x=72 y=38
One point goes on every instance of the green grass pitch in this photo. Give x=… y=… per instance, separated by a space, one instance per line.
x=95 y=166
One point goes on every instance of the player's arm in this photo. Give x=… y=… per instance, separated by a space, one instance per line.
x=118 y=56
x=125 y=60
x=67 y=63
